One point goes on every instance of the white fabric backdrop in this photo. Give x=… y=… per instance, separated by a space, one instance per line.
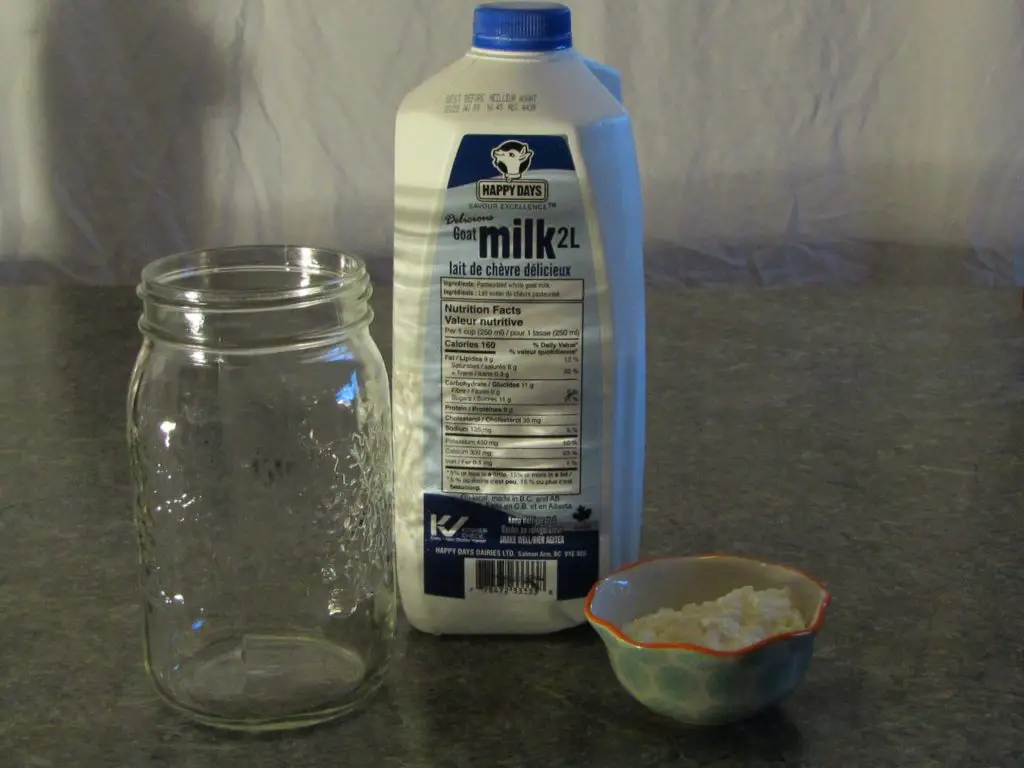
x=773 y=133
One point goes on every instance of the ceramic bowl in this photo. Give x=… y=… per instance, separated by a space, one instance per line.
x=696 y=685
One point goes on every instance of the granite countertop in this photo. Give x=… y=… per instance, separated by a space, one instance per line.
x=872 y=436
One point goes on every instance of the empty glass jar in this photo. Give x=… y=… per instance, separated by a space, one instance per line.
x=260 y=440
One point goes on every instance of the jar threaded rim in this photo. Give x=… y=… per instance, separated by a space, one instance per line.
x=316 y=294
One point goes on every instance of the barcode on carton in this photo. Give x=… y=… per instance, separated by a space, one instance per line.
x=530 y=578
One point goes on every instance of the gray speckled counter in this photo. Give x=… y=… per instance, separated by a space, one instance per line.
x=873 y=436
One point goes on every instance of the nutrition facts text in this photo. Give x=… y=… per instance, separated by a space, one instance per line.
x=511 y=385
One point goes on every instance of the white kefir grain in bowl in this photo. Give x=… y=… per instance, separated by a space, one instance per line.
x=743 y=617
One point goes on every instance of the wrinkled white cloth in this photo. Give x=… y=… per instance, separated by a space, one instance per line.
x=773 y=134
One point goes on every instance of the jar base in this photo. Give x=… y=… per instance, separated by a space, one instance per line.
x=270 y=683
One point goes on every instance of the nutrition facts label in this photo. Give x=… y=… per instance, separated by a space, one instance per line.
x=512 y=389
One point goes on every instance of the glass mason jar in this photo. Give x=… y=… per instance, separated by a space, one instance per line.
x=260 y=440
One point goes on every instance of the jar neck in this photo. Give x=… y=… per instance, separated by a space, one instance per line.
x=254 y=299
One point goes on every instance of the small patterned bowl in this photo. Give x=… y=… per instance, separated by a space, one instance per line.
x=695 y=685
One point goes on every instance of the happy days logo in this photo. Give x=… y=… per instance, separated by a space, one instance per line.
x=512 y=159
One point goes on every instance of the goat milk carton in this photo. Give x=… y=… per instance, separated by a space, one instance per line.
x=519 y=354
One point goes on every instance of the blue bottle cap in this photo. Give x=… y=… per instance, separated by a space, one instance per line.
x=522 y=26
